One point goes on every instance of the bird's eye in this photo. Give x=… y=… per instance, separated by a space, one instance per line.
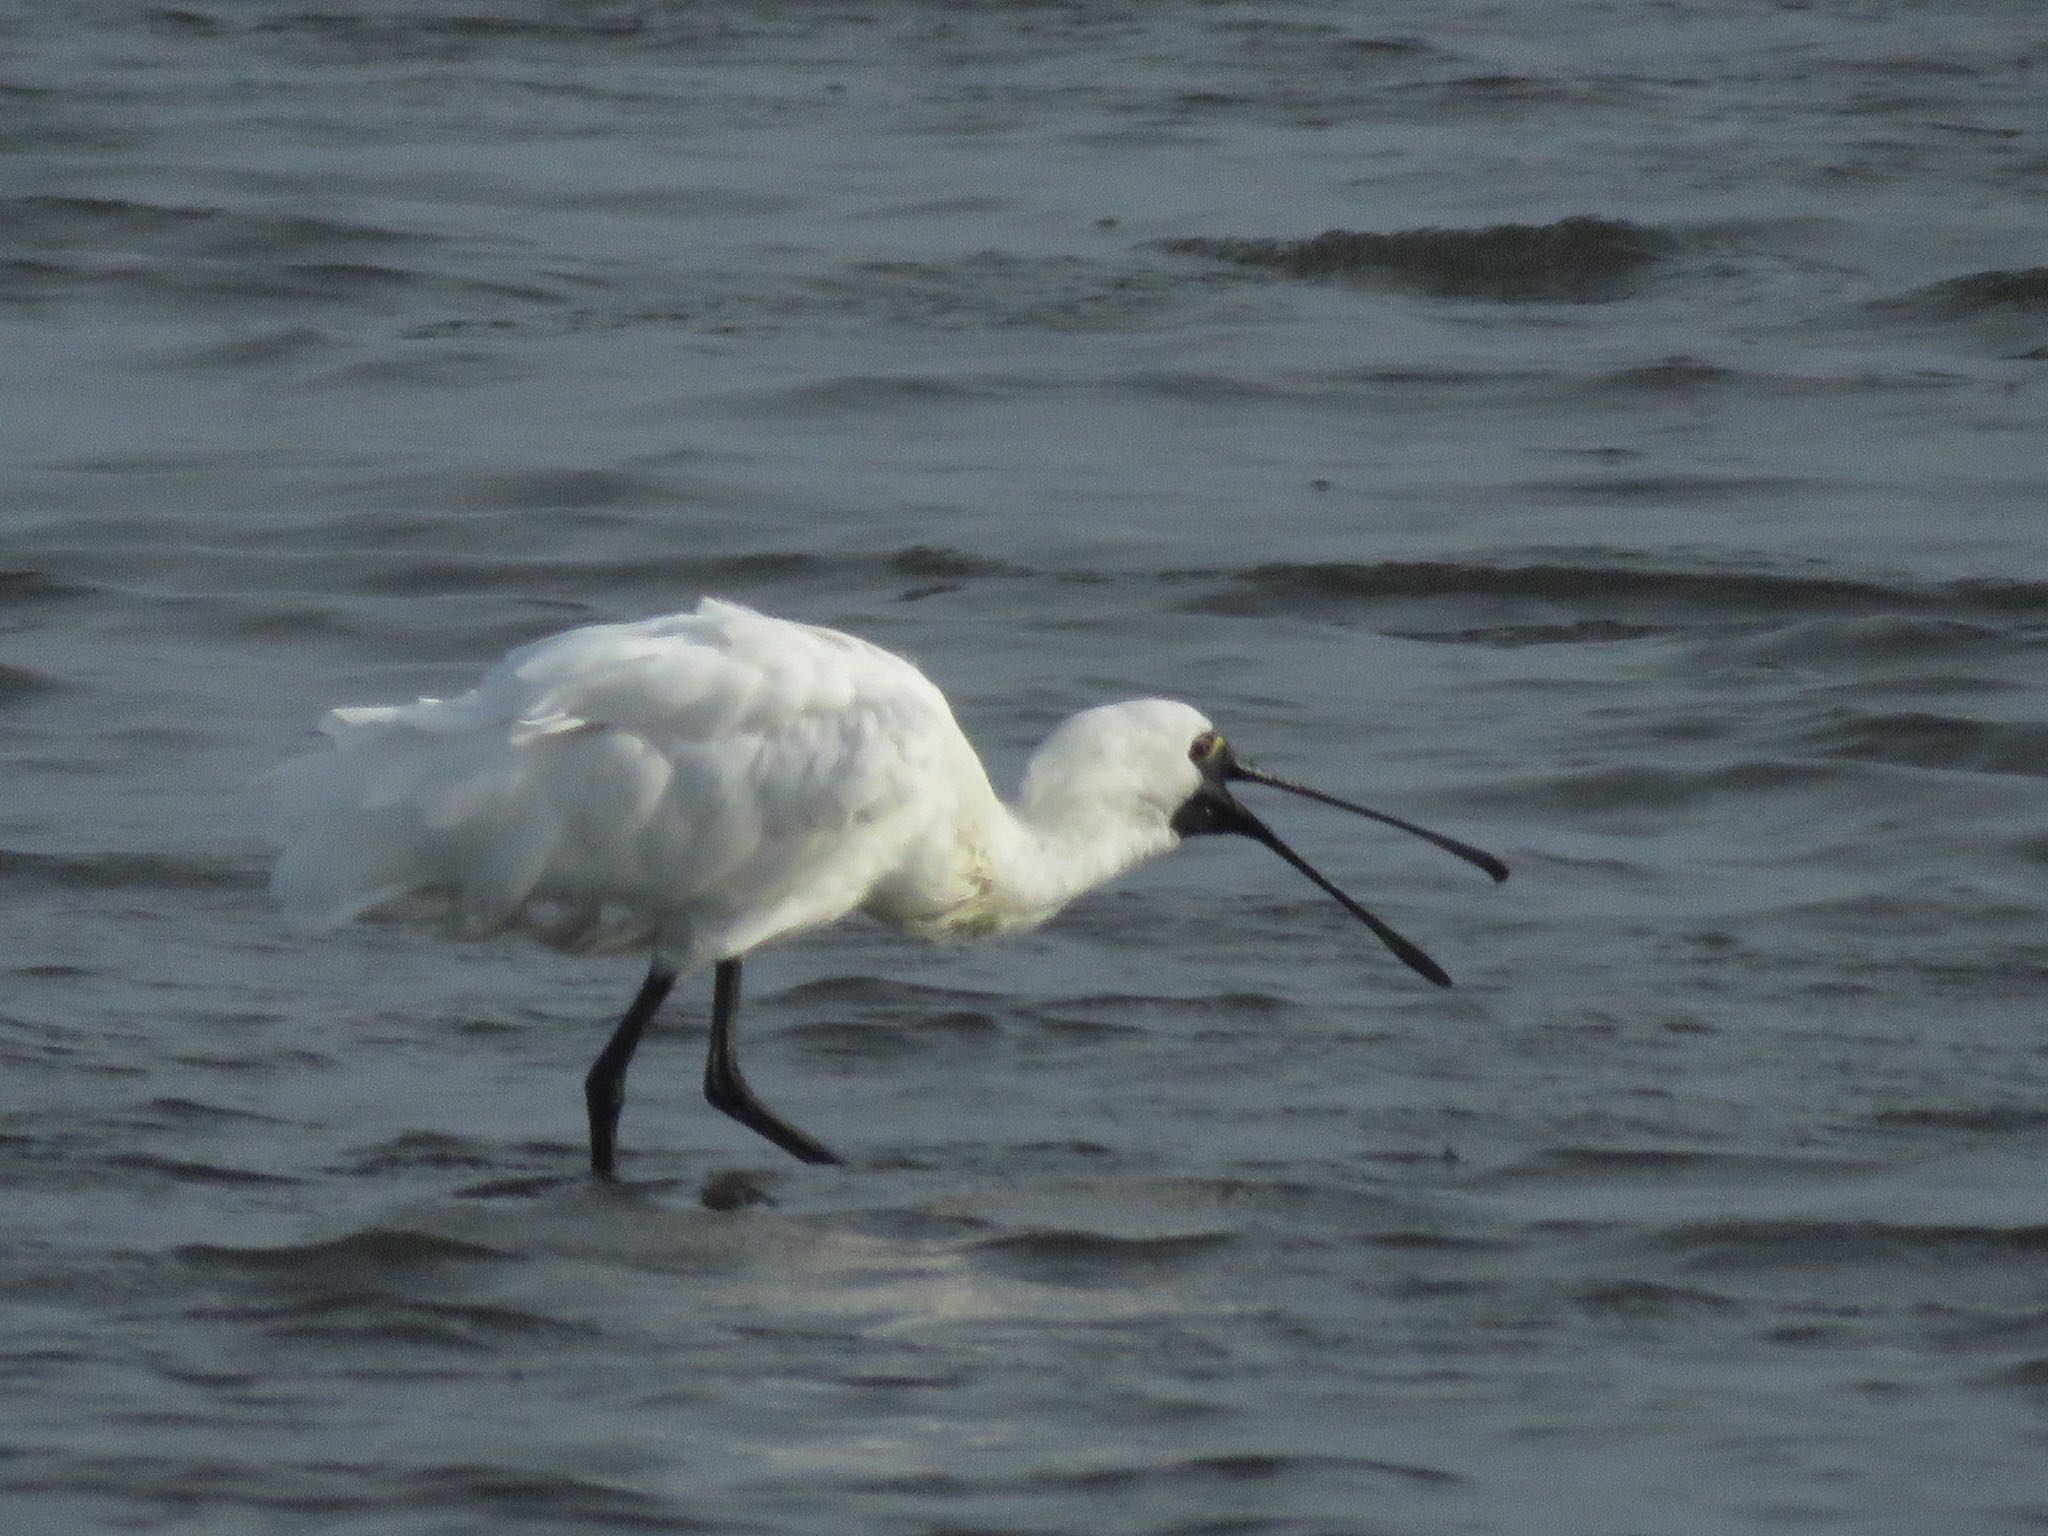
x=1205 y=746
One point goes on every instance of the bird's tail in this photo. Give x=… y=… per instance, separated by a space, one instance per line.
x=401 y=805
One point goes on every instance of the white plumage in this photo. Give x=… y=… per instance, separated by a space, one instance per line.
x=707 y=783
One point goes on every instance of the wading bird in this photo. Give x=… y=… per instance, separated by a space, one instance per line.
x=706 y=783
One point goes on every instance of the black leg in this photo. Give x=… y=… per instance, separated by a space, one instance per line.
x=728 y=1091
x=604 y=1090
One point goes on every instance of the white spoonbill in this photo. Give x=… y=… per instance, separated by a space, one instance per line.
x=706 y=783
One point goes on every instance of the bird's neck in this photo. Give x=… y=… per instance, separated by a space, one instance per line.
x=1042 y=856
x=989 y=866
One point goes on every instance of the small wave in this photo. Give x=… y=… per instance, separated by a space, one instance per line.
x=874 y=1039
x=265 y=619
x=1620 y=789
x=1512 y=636
x=343 y=282
x=1863 y=639
x=354 y=1258
x=1414 y=1240
x=26 y=280
x=232 y=285
x=97 y=222
x=181 y=1113
x=352 y=1322
x=1678 y=376
x=2027 y=1376
x=118 y=870
x=1061 y=1025
x=1744 y=1244
x=1238 y=1467
x=1517 y=90
x=991 y=290
x=1919 y=739
x=404 y=568
x=1603 y=584
x=873 y=1018
x=520 y=1496
x=180 y=1171
x=57 y=220
x=274 y=237
x=1667 y=490
x=925 y=568
x=1368 y=47
x=1420 y=377
x=403 y=35
x=20 y=683
x=879 y=992
x=1106 y=1016
x=1067 y=1257
x=1642 y=1299
x=227 y=255
x=1202 y=1005
x=175 y=21
x=938 y=563
x=1576 y=260
x=281 y=344
x=2022 y=291
x=1970 y=1119
x=552 y=488
x=22 y=586
x=1662 y=1163
x=1208 y=386
x=527 y=573
x=1994 y=1327
x=413 y=1150
x=889 y=393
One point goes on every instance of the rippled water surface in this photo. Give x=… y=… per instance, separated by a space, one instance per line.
x=1613 y=435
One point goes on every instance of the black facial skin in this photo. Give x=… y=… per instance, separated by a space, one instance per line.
x=1213 y=809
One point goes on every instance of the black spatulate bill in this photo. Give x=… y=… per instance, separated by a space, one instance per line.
x=1214 y=809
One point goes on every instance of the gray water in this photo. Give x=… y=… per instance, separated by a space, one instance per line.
x=1646 y=480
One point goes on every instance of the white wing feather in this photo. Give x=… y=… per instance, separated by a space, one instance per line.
x=710 y=780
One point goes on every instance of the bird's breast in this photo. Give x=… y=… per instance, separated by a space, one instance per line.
x=948 y=891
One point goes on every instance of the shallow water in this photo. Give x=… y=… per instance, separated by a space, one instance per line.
x=1646 y=481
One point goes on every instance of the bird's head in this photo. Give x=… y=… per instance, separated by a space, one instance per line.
x=1124 y=761
x=1158 y=764
x=1212 y=808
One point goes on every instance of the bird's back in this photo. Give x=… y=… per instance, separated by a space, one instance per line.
x=710 y=780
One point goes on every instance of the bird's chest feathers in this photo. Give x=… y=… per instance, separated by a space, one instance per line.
x=1004 y=877
x=950 y=895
